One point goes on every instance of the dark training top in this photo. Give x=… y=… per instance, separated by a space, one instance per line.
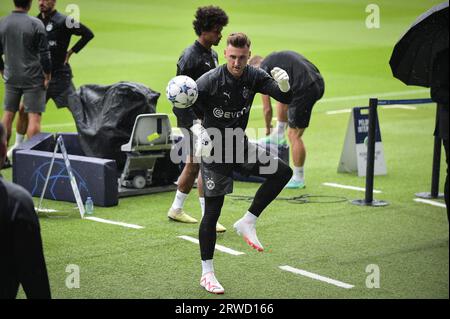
x=302 y=73
x=24 y=44
x=195 y=61
x=21 y=256
x=59 y=29
x=226 y=101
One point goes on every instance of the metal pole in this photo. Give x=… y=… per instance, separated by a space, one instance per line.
x=370 y=168
x=371 y=149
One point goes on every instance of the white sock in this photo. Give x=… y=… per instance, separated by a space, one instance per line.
x=19 y=138
x=179 y=200
x=249 y=218
x=207 y=266
x=299 y=174
x=202 y=204
x=281 y=128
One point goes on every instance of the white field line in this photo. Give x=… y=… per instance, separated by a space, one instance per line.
x=338 y=111
x=218 y=247
x=362 y=97
x=45 y=210
x=429 y=202
x=316 y=277
x=58 y=125
x=399 y=106
x=106 y=221
x=388 y=107
x=349 y=187
x=372 y=95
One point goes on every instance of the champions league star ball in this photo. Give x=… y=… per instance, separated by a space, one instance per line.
x=182 y=91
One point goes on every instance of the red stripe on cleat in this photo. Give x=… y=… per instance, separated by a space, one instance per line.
x=253 y=245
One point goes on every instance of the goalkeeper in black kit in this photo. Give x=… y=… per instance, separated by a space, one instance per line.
x=225 y=96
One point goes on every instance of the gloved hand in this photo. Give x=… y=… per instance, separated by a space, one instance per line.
x=203 y=144
x=282 y=78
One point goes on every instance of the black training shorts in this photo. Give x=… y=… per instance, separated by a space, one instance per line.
x=300 y=109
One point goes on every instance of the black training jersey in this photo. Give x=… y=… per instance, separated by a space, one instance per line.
x=302 y=73
x=226 y=101
x=59 y=29
x=195 y=61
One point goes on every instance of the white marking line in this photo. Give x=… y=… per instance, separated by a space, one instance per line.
x=338 y=111
x=387 y=107
x=430 y=202
x=362 y=97
x=399 y=106
x=101 y=220
x=218 y=247
x=368 y=96
x=316 y=276
x=45 y=210
x=349 y=187
x=58 y=125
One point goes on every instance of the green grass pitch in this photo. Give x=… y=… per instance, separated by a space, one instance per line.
x=140 y=41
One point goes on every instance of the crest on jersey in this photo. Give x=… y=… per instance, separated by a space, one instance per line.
x=49 y=27
x=245 y=93
x=210 y=184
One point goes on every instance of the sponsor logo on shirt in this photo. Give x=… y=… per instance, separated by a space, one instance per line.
x=52 y=43
x=219 y=113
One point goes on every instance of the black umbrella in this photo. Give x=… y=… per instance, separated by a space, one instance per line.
x=413 y=55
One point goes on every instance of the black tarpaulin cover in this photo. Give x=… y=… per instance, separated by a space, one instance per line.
x=105 y=115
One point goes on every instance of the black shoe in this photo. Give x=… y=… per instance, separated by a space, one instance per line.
x=7 y=163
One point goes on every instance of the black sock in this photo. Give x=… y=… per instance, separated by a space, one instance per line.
x=270 y=189
x=207 y=231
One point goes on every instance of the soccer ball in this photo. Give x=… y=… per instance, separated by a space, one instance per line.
x=182 y=91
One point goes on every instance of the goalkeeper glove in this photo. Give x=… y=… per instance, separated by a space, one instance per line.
x=282 y=79
x=203 y=144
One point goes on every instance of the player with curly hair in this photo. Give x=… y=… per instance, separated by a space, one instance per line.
x=196 y=60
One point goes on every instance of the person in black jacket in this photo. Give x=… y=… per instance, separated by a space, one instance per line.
x=59 y=29
x=225 y=96
x=195 y=61
x=22 y=259
x=440 y=94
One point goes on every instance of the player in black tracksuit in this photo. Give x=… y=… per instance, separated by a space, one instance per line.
x=225 y=97
x=195 y=61
x=59 y=33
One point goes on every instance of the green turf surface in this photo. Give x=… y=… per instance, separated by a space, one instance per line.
x=141 y=41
